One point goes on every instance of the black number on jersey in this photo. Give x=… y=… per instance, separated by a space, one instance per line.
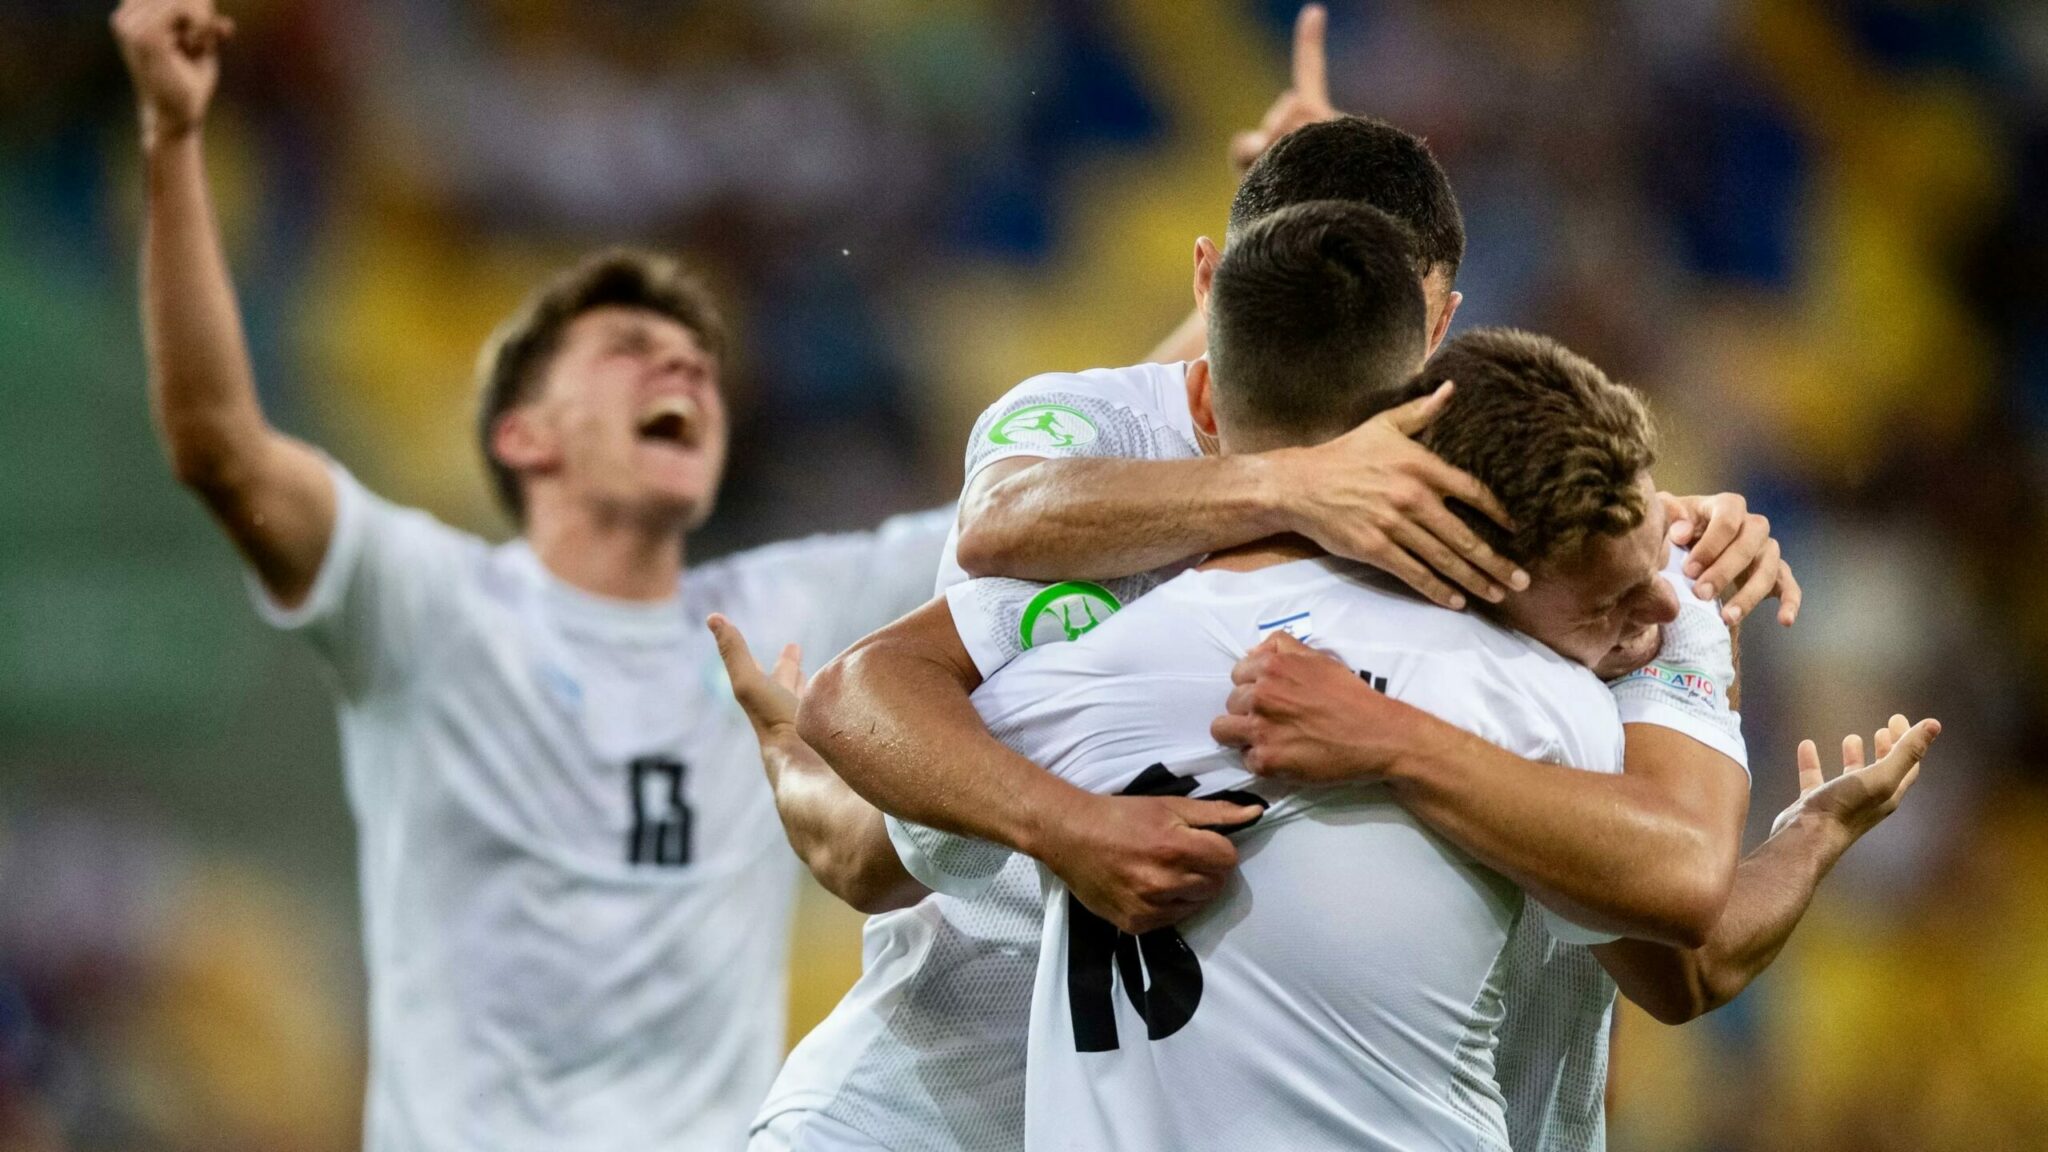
x=1160 y=974
x=661 y=821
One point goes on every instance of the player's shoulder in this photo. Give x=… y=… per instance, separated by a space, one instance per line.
x=1151 y=388
x=416 y=534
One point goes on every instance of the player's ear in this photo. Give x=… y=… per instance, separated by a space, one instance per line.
x=523 y=442
x=1201 y=404
x=1207 y=256
x=1443 y=322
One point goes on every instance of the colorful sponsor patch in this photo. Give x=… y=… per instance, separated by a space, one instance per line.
x=1044 y=426
x=1679 y=678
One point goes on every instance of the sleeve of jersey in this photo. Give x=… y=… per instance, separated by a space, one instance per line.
x=943 y=862
x=1686 y=687
x=1053 y=417
x=999 y=619
x=381 y=586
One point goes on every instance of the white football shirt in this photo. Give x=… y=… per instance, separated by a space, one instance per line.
x=1559 y=1000
x=1344 y=990
x=926 y=1052
x=576 y=892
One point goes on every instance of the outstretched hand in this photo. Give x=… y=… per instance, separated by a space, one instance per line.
x=172 y=49
x=1306 y=101
x=1376 y=496
x=1861 y=796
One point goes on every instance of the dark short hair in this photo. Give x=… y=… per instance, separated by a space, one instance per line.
x=1559 y=444
x=1366 y=161
x=1314 y=316
x=516 y=358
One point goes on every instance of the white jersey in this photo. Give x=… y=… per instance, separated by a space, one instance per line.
x=1560 y=1001
x=1344 y=989
x=576 y=891
x=926 y=1052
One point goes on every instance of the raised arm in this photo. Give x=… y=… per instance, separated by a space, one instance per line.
x=1649 y=853
x=893 y=718
x=1306 y=100
x=272 y=494
x=1372 y=495
x=1775 y=884
x=839 y=836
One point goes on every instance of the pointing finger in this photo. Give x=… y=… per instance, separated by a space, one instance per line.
x=1311 y=72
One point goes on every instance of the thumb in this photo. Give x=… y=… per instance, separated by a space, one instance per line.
x=1417 y=414
x=788 y=672
x=1216 y=815
x=1914 y=744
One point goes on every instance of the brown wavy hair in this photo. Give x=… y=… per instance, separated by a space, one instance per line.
x=1560 y=444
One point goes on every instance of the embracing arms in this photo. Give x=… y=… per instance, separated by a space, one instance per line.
x=1372 y=495
x=271 y=494
x=1648 y=853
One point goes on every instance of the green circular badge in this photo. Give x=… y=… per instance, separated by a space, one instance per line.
x=1044 y=426
x=1066 y=611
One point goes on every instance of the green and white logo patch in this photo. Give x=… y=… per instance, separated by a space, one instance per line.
x=1066 y=611
x=1044 y=426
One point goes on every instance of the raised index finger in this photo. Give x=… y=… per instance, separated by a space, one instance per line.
x=1311 y=73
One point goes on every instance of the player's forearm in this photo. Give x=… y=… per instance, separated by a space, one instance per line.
x=838 y=835
x=901 y=730
x=1774 y=886
x=1100 y=518
x=202 y=388
x=1190 y=341
x=1609 y=852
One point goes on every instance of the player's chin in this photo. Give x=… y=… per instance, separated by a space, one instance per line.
x=685 y=500
x=1631 y=653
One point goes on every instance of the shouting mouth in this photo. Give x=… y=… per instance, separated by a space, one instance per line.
x=671 y=420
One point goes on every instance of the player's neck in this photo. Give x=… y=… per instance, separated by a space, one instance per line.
x=1257 y=554
x=619 y=557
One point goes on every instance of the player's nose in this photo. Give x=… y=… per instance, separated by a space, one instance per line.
x=1661 y=606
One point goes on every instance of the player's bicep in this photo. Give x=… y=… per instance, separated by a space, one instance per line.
x=1705 y=785
x=280 y=516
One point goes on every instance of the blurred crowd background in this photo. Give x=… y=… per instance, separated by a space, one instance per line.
x=1815 y=231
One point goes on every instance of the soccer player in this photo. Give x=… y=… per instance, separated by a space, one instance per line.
x=575 y=892
x=1296 y=1011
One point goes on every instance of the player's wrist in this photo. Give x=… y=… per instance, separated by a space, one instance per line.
x=1826 y=834
x=164 y=138
x=1280 y=482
